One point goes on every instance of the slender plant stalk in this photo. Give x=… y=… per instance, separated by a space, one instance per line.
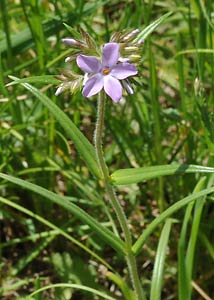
x=131 y=261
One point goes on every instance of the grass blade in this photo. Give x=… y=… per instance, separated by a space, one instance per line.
x=57 y=230
x=149 y=29
x=74 y=286
x=184 y=284
x=102 y=231
x=185 y=262
x=157 y=275
x=166 y=214
x=191 y=249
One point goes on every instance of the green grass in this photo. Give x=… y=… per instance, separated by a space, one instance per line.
x=58 y=232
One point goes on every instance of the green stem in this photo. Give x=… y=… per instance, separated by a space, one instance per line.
x=131 y=262
x=98 y=135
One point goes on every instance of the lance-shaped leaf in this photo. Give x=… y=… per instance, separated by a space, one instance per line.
x=135 y=175
x=44 y=79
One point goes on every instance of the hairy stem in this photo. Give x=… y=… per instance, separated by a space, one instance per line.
x=131 y=262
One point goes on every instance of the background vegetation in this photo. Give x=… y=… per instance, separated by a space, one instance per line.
x=169 y=119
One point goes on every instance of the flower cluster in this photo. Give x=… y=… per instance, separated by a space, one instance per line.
x=109 y=69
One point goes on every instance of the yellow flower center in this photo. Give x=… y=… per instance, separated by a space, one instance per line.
x=106 y=71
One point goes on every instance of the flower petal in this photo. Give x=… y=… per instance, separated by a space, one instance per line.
x=123 y=70
x=110 y=54
x=93 y=85
x=88 y=64
x=112 y=88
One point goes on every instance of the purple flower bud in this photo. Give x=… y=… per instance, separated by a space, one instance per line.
x=131 y=35
x=127 y=87
x=70 y=42
x=140 y=42
x=135 y=31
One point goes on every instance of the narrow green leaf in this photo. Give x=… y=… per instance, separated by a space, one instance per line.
x=198 y=50
x=206 y=16
x=149 y=29
x=128 y=293
x=157 y=275
x=166 y=214
x=135 y=175
x=207 y=243
x=83 y=146
x=183 y=280
x=184 y=267
x=44 y=79
x=74 y=286
x=74 y=34
x=102 y=231
x=190 y=253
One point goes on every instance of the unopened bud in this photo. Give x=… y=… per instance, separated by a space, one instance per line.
x=198 y=87
x=74 y=86
x=59 y=91
x=131 y=35
x=69 y=58
x=70 y=42
x=131 y=48
x=127 y=87
x=140 y=42
x=134 y=57
x=123 y=59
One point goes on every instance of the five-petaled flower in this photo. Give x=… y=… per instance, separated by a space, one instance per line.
x=106 y=73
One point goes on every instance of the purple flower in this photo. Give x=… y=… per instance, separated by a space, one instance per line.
x=106 y=73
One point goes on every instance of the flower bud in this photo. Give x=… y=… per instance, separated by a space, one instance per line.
x=140 y=42
x=131 y=48
x=67 y=59
x=59 y=91
x=134 y=57
x=123 y=60
x=127 y=87
x=131 y=35
x=70 y=42
x=198 y=87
